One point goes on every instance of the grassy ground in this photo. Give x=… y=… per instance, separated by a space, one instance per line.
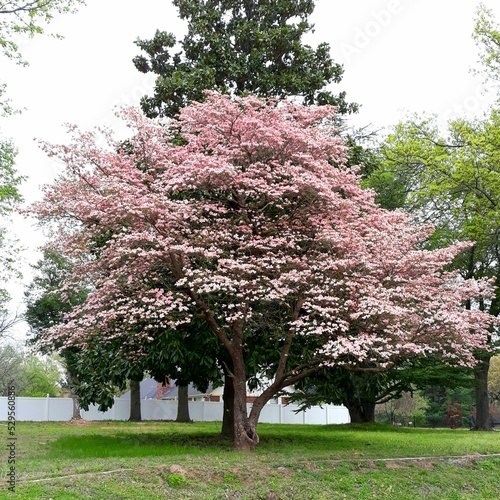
x=118 y=460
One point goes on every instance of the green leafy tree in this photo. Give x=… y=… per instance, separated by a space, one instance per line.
x=28 y=18
x=361 y=392
x=9 y=178
x=452 y=181
x=42 y=377
x=494 y=379
x=30 y=375
x=46 y=307
x=11 y=359
x=18 y=18
x=486 y=35
x=9 y=198
x=239 y=47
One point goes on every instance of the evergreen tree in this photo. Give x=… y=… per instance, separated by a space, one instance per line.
x=239 y=47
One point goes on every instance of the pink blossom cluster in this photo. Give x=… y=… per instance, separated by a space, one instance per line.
x=243 y=206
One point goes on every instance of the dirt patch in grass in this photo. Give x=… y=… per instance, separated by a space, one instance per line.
x=393 y=465
x=78 y=423
x=425 y=464
x=284 y=471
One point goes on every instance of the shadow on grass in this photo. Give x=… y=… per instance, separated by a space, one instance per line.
x=135 y=445
x=273 y=438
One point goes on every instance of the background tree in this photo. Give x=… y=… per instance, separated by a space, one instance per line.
x=361 y=392
x=11 y=359
x=451 y=181
x=408 y=409
x=10 y=180
x=32 y=376
x=239 y=47
x=28 y=18
x=17 y=18
x=9 y=197
x=253 y=223
x=46 y=307
x=42 y=376
x=487 y=38
x=494 y=379
x=439 y=399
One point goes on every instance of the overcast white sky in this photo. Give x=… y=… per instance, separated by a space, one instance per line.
x=399 y=56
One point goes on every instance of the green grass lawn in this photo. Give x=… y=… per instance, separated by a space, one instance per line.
x=158 y=460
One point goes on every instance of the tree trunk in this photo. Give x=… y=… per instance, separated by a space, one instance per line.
x=483 y=420
x=183 y=405
x=135 y=401
x=361 y=412
x=245 y=435
x=77 y=415
x=228 y=408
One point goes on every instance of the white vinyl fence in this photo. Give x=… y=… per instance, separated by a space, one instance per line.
x=60 y=409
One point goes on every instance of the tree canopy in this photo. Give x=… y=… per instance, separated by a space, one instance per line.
x=451 y=179
x=239 y=47
x=252 y=223
x=487 y=38
x=33 y=377
x=28 y=18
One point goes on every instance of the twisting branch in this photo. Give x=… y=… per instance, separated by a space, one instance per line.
x=29 y=6
x=8 y=322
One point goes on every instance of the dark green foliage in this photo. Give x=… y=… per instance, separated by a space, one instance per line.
x=104 y=365
x=362 y=151
x=239 y=47
x=45 y=307
x=440 y=397
x=361 y=391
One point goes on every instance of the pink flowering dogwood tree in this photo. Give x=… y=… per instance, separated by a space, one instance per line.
x=244 y=214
